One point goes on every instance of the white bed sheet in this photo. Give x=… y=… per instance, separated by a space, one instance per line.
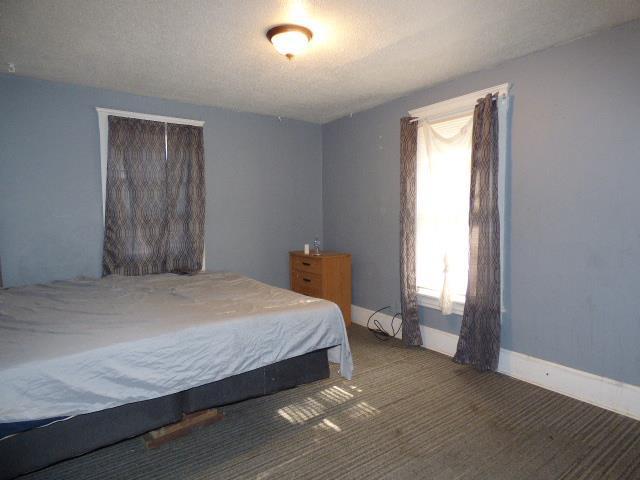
x=81 y=346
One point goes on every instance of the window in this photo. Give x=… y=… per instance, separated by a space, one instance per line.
x=444 y=175
x=443 y=186
x=153 y=201
x=103 y=125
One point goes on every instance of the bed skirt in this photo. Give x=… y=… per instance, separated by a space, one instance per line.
x=40 y=447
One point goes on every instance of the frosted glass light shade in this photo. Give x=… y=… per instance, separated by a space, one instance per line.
x=290 y=40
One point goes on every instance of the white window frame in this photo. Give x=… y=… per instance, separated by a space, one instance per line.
x=456 y=107
x=103 y=125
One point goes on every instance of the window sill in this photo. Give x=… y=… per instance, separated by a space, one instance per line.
x=430 y=301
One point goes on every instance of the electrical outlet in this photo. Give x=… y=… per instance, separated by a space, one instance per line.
x=12 y=68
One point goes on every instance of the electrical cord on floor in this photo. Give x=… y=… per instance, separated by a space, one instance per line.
x=379 y=331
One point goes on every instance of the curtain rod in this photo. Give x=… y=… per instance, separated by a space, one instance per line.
x=458 y=105
x=495 y=95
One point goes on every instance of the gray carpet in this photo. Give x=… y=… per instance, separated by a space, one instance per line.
x=408 y=413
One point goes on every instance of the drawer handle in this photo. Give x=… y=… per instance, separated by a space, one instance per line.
x=306 y=264
x=306 y=279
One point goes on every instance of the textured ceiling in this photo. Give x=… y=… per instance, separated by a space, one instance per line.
x=215 y=52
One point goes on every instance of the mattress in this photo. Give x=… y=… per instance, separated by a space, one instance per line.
x=81 y=346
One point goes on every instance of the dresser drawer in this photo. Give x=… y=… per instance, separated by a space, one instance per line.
x=327 y=276
x=308 y=264
x=307 y=283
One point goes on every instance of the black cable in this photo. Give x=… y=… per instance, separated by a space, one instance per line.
x=379 y=332
x=395 y=332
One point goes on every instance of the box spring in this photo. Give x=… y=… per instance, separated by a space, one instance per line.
x=40 y=447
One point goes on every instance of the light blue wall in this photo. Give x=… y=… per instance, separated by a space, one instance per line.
x=573 y=280
x=574 y=228
x=263 y=179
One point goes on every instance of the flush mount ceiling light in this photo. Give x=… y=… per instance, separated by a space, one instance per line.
x=290 y=40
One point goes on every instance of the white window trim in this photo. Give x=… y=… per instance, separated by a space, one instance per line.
x=103 y=125
x=448 y=109
x=430 y=299
x=455 y=107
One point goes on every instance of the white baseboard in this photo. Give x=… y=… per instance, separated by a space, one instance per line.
x=604 y=392
x=360 y=316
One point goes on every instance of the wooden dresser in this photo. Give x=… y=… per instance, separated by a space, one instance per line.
x=327 y=276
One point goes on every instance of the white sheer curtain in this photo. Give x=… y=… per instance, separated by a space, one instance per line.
x=442 y=237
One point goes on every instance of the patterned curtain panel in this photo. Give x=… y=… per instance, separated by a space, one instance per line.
x=479 y=342
x=408 y=183
x=154 y=217
x=135 y=202
x=185 y=198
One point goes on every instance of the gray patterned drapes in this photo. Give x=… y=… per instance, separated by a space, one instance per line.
x=154 y=205
x=479 y=341
x=408 y=186
x=185 y=198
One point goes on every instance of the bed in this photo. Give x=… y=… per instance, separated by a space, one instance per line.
x=118 y=356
